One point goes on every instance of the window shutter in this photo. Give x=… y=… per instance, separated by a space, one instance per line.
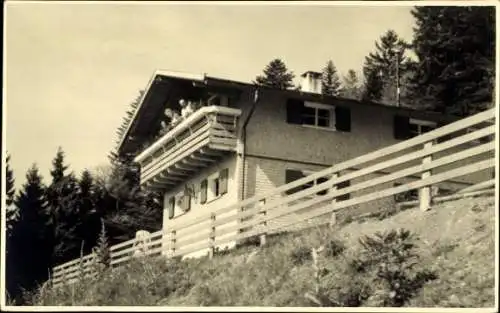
x=223 y=181
x=401 y=127
x=294 y=111
x=343 y=119
x=203 y=191
x=186 y=202
x=171 y=207
x=293 y=175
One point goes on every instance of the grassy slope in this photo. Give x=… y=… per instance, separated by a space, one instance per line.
x=456 y=239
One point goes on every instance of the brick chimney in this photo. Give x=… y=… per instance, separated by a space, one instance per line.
x=311 y=82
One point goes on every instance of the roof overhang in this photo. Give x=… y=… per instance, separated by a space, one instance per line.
x=161 y=91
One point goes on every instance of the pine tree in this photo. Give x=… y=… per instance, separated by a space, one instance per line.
x=387 y=62
x=373 y=86
x=62 y=211
x=88 y=226
x=28 y=262
x=330 y=82
x=11 y=210
x=455 y=47
x=351 y=86
x=276 y=75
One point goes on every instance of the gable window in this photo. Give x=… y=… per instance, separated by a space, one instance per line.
x=293 y=175
x=318 y=115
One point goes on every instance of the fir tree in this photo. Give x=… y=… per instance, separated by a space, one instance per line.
x=455 y=47
x=88 y=226
x=11 y=210
x=351 y=86
x=62 y=211
x=384 y=66
x=330 y=82
x=373 y=86
x=29 y=251
x=276 y=75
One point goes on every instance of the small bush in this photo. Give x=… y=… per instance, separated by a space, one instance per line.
x=334 y=247
x=388 y=260
x=300 y=255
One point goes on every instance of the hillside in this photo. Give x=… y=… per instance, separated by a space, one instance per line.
x=455 y=268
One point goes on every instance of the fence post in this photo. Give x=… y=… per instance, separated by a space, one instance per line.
x=172 y=243
x=211 y=238
x=264 y=224
x=425 y=197
x=333 y=217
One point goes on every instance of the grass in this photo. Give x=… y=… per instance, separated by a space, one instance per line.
x=453 y=246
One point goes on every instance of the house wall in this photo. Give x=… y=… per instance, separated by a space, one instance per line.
x=198 y=209
x=273 y=145
x=268 y=134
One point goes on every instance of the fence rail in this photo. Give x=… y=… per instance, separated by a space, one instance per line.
x=428 y=156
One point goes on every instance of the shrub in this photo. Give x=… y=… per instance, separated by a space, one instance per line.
x=388 y=260
x=334 y=247
x=300 y=255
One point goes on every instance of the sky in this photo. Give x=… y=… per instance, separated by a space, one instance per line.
x=71 y=69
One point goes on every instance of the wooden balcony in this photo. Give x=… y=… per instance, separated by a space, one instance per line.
x=192 y=145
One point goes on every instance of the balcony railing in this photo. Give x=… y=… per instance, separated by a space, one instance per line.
x=195 y=143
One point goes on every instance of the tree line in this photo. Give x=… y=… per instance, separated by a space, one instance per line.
x=453 y=71
x=49 y=223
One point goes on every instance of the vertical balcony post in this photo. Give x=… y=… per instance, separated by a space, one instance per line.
x=425 y=196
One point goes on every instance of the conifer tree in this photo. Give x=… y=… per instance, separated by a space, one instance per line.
x=455 y=46
x=11 y=210
x=29 y=251
x=276 y=75
x=330 y=82
x=62 y=211
x=383 y=66
x=351 y=86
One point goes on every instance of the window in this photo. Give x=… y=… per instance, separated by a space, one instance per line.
x=406 y=128
x=293 y=175
x=419 y=127
x=318 y=115
x=219 y=183
x=216 y=187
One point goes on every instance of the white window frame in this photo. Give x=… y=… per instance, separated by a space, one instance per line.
x=316 y=106
x=420 y=123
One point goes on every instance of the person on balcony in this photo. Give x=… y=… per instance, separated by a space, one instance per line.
x=187 y=108
x=173 y=116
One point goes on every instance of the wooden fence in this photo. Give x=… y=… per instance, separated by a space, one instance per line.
x=430 y=157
